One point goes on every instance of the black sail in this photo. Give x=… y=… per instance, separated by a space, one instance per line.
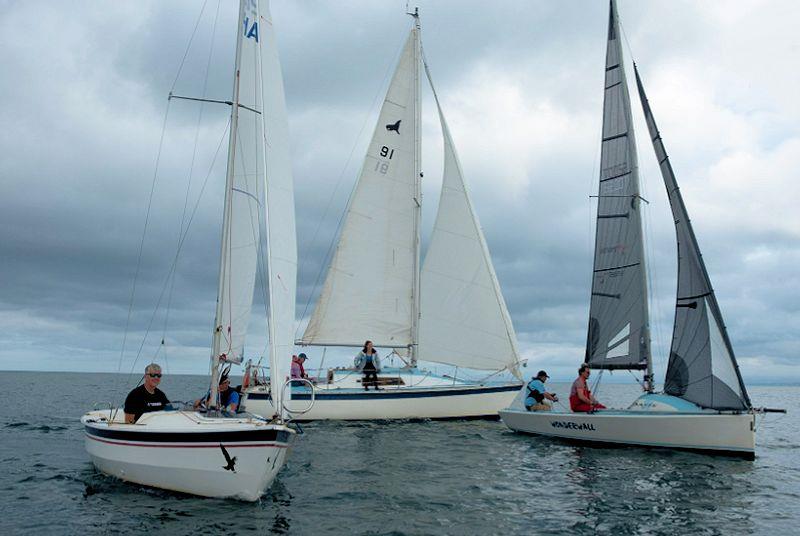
x=618 y=336
x=702 y=367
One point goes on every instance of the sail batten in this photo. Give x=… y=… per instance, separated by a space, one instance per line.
x=619 y=291
x=702 y=367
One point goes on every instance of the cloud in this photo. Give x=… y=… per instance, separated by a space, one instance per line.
x=521 y=86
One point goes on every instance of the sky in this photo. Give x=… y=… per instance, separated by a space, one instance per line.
x=86 y=132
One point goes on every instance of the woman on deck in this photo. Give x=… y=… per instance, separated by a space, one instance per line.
x=369 y=364
x=580 y=397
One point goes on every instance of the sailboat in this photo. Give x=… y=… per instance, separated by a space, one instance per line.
x=215 y=453
x=448 y=310
x=704 y=405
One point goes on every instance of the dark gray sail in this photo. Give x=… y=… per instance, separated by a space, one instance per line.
x=618 y=335
x=702 y=367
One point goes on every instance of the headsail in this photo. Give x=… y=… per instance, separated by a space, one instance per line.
x=618 y=335
x=368 y=292
x=702 y=367
x=280 y=217
x=463 y=317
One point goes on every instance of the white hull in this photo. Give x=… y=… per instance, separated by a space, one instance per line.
x=422 y=396
x=703 y=430
x=181 y=451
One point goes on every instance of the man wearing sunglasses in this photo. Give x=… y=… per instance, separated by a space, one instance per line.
x=147 y=397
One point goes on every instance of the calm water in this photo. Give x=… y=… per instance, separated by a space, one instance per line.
x=470 y=477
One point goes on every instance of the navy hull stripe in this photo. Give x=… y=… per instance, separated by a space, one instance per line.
x=280 y=436
x=385 y=394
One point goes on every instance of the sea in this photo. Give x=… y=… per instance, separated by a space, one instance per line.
x=397 y=478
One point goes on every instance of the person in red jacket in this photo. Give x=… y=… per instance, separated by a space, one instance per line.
x=580 y=397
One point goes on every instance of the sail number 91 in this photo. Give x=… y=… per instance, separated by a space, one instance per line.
x=387 y=153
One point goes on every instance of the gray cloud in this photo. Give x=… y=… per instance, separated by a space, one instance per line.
x=82 y=114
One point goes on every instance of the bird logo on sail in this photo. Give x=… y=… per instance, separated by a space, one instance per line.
x=394 y=127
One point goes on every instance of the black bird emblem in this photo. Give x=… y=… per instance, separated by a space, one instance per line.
x=231 y=461
x=394 y=127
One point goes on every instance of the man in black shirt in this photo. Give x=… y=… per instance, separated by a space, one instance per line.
x=147 y=397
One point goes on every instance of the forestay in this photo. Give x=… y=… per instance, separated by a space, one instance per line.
x=464 y=320
x=702 y=367
x=368 y=291
x=618 y=335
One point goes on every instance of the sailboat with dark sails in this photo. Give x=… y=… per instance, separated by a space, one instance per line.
x=704 y=405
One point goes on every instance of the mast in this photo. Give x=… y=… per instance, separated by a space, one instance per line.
x=415 y=294
x=216 y=346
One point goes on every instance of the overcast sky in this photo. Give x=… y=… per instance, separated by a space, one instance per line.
x=83 y=102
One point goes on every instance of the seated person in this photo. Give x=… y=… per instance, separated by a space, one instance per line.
x=369 y=364
x=537 y=394
x=580 y=397
x=227 y=398
x=147 y=397
x=298 y=371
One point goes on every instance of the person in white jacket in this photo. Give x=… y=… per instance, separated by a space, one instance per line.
x=368 y=362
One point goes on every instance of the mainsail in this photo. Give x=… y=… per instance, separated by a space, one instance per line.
x=259 y=189
x=702 y=367
x=618 y=335
x=369 y=290
x=463 y=316
x=243 y=196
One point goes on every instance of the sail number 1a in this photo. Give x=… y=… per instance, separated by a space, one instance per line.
x=383 y=166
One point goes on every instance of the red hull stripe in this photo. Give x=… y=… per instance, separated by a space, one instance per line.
x=189 y=445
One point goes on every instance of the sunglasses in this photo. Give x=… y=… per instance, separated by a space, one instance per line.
x=154 y=375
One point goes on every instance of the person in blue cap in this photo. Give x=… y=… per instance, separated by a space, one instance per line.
x=537 y=394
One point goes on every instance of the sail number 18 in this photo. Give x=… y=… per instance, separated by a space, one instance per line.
x=387 y=153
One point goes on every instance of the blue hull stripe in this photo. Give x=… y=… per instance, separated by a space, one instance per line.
x=391 y=394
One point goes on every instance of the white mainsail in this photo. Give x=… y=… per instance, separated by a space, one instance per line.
x=243 y=195
x=368 y=292
x=259 y=173
x=464 y=320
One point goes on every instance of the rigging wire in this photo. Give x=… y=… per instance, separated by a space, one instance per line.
x=152 y=191
x=191 y=173
x=652 y=273
x=180 y=246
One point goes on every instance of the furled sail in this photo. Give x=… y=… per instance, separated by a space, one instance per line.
x=702 y=367
x=618 y=336
x=463 y=316
x=280 y=217
x=368 y=291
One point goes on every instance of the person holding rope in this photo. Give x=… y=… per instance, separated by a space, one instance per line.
x=580 y=397
x=369 y=364
x=537 y=395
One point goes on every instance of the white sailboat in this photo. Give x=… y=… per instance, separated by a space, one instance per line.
x=704 y=405
x=213 y=453
x=448 y=310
